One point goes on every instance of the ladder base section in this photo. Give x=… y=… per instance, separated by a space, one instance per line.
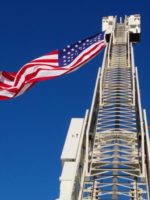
x=106 y=186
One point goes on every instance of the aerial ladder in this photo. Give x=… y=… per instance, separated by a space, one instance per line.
x=106 y=154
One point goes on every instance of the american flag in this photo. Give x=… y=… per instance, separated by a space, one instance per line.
x=50 y=66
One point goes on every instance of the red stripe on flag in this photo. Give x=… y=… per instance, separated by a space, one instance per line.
x=52 y=53
x=9 y=75
x=4 y=85
x=27 y=66
x=4 y=98
x=30 y=77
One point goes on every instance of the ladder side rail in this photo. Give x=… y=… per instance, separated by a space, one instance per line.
x=79 y=159
x=133 y=72
x=90 y=120
x=129 y=51
x=147 y=149
x=82 y=183
x=140 y=123
x=114 y=26
x=102 y=72
x=109 y=48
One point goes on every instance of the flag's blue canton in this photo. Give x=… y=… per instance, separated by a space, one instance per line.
x=68 y=54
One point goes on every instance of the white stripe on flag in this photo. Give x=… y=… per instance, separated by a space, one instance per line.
x=3 y=79
x=6 y=93
x=30 y=71
x=55 y=56
x=49 y=73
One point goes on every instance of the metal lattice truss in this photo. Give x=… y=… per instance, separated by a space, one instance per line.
x=112 y=158
x=116 y=166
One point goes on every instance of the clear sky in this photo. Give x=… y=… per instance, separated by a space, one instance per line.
x=33 y=126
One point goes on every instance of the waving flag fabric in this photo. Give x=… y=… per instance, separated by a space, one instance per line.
x=50 y=66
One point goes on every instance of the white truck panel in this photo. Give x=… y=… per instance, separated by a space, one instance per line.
x=68 y=171
x=72 y=140
x=67 y=178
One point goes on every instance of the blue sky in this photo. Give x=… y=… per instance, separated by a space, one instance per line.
x=34 y=125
